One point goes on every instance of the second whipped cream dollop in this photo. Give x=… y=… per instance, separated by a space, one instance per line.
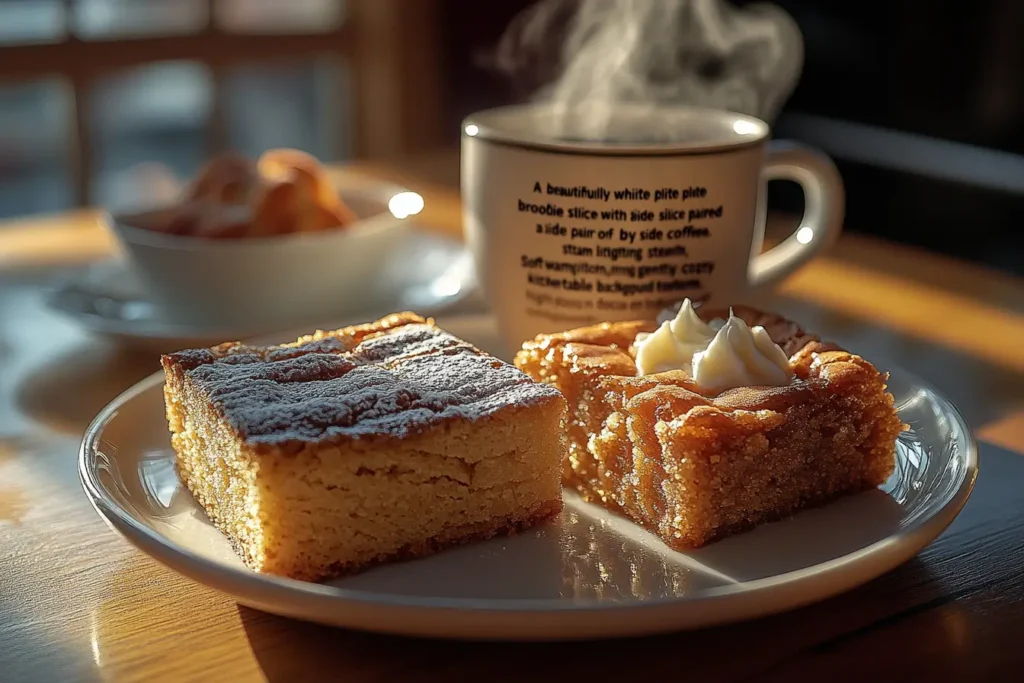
x=741 y=356
x=719 y=355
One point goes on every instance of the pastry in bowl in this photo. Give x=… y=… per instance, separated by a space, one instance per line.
x=712 y=423
x=285 y=191
x=344 y=449
x=258 y=246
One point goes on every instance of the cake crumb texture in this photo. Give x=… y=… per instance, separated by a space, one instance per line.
x=694 y=466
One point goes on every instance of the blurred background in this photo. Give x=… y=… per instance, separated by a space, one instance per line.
x=920 y=103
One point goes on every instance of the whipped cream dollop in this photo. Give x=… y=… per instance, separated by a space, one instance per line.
x=673 y=344
x=741 y=356
x=719 y=355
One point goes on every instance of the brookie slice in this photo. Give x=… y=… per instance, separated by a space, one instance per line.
x=348 y=448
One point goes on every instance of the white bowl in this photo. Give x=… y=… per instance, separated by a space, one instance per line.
x=265 y=281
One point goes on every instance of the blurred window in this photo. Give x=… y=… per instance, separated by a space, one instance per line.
x=35 y=123
x=153 y=113
x=265 y=102
x=91 y=89
x=31 y=21
x=275 y=16
x=105 y=19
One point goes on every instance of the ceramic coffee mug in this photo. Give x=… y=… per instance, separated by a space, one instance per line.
x=668 y=204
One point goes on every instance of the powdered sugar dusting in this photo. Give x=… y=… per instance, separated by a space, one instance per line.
x=410 y=340
x=396 y=383
x=324 y=345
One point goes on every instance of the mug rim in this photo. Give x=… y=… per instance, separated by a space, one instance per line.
x=486 y=125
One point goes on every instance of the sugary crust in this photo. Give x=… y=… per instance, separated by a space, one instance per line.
x=392 y=378
x=332 y=341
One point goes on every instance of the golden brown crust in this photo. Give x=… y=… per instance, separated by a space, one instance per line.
x=619 y=336
x=608 y=350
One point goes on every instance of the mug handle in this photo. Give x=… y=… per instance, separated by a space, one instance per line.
x=823 y=209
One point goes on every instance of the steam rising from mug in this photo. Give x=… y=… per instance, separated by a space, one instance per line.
x=649 y=52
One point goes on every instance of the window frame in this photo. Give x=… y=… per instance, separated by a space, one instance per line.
x=389 y=48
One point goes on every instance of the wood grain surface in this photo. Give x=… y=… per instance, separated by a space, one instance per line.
x=78 y=603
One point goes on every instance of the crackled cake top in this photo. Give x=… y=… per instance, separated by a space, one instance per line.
x=389 y=380
x=603 y=356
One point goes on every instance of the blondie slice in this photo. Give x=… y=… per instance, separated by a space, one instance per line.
x=694 y=464
x=388 y=440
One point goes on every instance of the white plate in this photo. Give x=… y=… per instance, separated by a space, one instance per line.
x=586 y=574
x=425 y=272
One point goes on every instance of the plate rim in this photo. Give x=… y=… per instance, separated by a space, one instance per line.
x=244 y=585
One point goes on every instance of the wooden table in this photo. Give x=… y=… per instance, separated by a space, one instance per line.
x=78 y=603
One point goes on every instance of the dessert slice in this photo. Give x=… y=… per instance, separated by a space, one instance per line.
x=705 y=426
x=388 y=440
